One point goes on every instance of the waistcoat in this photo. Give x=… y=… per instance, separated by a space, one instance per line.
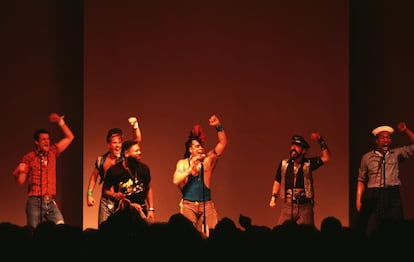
x=307 y=176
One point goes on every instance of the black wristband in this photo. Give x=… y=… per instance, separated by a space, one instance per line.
x=219 y=128
x=322 y=144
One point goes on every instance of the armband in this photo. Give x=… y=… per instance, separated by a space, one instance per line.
x=89 y=192
x=219 y=128
x=151 y=209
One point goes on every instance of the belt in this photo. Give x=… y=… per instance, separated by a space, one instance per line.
x=47 y=197
x=397 y=187
x=299 y=201
x=298 y=193
x=195 y=202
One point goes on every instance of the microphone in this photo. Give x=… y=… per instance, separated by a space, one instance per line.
x=42 y=153
x=293 y=157
x=197 y=159
x=383 y=157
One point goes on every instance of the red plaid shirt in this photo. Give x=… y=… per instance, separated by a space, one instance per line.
x=41 y=175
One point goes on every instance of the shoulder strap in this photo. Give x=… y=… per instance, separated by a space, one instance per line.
x=100 y=166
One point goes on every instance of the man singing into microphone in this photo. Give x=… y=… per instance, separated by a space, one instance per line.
x=294 y=183
x=38 y=167
x=378 y=185
x=193 y=175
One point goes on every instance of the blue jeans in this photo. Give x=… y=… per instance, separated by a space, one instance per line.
x=39 y=209
x=106 y=208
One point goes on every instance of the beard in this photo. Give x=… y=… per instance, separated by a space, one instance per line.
x=294 y=154
x=132 y=163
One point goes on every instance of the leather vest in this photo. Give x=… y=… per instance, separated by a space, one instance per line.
x=307 y=176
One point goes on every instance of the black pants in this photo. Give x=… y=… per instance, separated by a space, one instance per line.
x=379 y=205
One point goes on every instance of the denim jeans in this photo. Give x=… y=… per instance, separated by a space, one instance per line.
x=106 y=208
x=38 y=209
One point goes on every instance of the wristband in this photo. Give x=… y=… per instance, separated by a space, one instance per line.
x=151 y=209
x=219 y=128
x=89 y=192
x=322 y=144
x=275 y=195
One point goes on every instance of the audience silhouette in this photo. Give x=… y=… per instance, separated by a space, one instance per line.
x=125 y=235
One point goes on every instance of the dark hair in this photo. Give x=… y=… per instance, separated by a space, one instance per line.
x=188 y=144
x=113 y=132
x=197 y=134
x=38 y=132
x=127 y=145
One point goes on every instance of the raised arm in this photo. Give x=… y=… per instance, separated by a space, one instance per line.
x=402 y=127
x=68 y=138
x=325 y=152
x=221 y=135
x=136 y=131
